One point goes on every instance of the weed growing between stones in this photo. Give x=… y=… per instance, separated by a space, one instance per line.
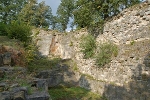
x=88 y=46
x=132 y=42
x=105 y=52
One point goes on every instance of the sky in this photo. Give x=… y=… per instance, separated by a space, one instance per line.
x=53 y=4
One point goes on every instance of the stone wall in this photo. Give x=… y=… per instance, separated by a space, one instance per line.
x=131 y=24
x=127 y=76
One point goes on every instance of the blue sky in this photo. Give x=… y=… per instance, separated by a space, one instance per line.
x=53 y=4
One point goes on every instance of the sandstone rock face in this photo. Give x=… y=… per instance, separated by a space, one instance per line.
x=44 y=42
x=54 y=43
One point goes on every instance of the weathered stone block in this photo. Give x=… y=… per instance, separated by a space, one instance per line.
x=7 y=58
x=19 y=95
x=1 y=60
x=54 y=78
x=41 y=84
x=2 y=87
x=2 y=74
x=5 y=96
x=39 y=96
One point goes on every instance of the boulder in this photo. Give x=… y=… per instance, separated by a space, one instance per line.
x=2 y=74
x=19 y=95
x=7 y=58
x=2 y=87
x=5 y=96
x=41 y=84
x=39 y=96
x=1 y=60
x=54 y=78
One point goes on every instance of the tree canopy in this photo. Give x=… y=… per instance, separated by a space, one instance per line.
x=9 y=9
x=35 y=14
x=64 y=12
x=89 y=12
x=84 y=13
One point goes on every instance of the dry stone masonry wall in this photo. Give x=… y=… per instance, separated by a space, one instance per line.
x=131 y=24
x=127 y=76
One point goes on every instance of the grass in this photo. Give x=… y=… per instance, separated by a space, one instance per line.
x=43 y=64
x=4 y=40
x=71 y=93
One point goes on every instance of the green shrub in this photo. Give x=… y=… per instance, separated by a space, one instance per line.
x=3 y=29
x=30 y=53
x=105 y=53
x=19 y=30
x=88 y=45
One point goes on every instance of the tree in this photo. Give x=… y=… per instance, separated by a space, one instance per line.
x=9 y=9
x=93 y=12
x=27 y=14
x=82 y=13
x=43 y=15
x=54 y=22
x=35 y=14
x=64 y=12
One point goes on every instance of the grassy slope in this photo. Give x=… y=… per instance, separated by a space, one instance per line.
x=10 y=42
x=73 y=93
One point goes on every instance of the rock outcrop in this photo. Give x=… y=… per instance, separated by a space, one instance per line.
x=10 y=56
x=15 y=84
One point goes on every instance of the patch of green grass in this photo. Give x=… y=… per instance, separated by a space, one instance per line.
x=70 y=63
x=16 y=44
x=68 y=93
x=43 y=63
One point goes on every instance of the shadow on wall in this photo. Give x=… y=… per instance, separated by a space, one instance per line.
x=61 y=75
x=137 y=89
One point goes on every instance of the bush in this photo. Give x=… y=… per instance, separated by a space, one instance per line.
x=31 y=53
x=105 y=53
x=3 y=29
x=19 y=30
x=88 y=45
